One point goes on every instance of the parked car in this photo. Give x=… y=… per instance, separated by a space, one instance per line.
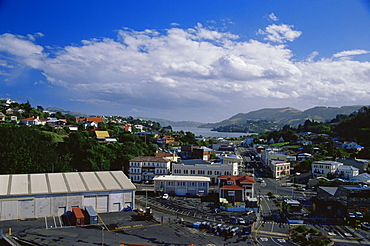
x=300 y=188
x=241 y=221
x=351 y=215
x=165 y=196
x=359 y=215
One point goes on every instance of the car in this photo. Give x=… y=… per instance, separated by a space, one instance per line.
x=365 y=225
x=241 y=221
x=301 y=188
x=359 y=215
x=351 y=215
x=165 y=196
x=261 y=180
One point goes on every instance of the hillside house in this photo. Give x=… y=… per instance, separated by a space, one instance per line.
x=323 y=168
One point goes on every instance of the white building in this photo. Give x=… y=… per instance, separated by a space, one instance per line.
x=145 y=168
x=197 y=167
x=52 y=194
x=279 y=168
x=182 y=185
x=347 y=172
x=323 y=168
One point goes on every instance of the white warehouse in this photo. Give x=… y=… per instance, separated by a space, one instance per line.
x=52 y=194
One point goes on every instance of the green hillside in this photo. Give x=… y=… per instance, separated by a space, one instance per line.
x=286 y=116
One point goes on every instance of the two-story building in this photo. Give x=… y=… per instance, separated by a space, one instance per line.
x=236 y=188
x=182 y=185
x=198 y=167
x=323 y=168
x=347 y=172
x=279 y=168
x=145 y=168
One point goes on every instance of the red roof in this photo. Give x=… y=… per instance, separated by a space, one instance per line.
x=29 y=119
x=242 y=179
x=96 y=119
x=231 y=187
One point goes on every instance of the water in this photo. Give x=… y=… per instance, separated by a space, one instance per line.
x=206 y=132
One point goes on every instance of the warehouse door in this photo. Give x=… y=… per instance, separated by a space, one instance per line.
x=26 y=209
x=89 y=201
x=102 y=204
x=9 y=210
x=43 y=207
x=181 y=191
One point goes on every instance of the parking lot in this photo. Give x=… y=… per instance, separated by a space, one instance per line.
x=116 y=228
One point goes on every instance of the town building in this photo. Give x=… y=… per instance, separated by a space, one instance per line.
x=26 y=196
x=323 y=168
x=145 y=168
x=182 y=185
x=236 y=188
x=347 y=172
x=198 y=167
x=361 y=164
x=279 y=169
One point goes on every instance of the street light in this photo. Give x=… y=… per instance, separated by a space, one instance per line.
x=102 y=235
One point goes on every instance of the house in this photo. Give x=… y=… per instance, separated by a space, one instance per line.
x=182 y=185
x=55 y=123
x=32 y=121
x=94 y=119
x=236 y=188
x=166 y=140
x=347 y=172
x=203 y=153
x=145 y=168
x=172 y=157
x=103 y=136
x=26 y=196
x=72 y=127
x=2 y=116
x=198 y=167
x=352 y=146
x=323 y=168
x=361 y=164
x=187 y=151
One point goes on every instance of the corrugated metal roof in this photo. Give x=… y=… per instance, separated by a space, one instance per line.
x=182 y=178
x=56 y=183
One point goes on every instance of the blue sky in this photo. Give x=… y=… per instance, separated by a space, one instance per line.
x=184 y=60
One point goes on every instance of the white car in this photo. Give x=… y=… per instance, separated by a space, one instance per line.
x=165 y=196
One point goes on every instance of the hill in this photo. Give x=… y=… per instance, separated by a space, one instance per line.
x=76 y=114
x=286 y=116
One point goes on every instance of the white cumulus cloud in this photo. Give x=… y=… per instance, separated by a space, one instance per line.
x=280 y=33
x=190 y=68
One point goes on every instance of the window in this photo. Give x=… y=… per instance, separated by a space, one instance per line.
x=180 y=183
x=170 y=183
x=192 y=184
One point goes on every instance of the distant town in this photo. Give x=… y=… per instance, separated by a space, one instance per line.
x=300 y=184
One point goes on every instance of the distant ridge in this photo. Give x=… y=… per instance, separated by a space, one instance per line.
x=287 y=116
x=76 y=114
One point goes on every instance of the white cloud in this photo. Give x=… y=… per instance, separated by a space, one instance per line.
x=193 y=68
x=273 y=17
x=280 y=33
x=347 y=53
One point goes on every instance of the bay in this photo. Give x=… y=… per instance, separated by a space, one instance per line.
x=206 y=132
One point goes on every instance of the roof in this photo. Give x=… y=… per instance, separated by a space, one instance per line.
x=242 y=179
x=231 y=187
x=149 y=159
x=59 y=183
x=182 y=178
x=194 y=162
x=102 y=134
x=95 y=119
